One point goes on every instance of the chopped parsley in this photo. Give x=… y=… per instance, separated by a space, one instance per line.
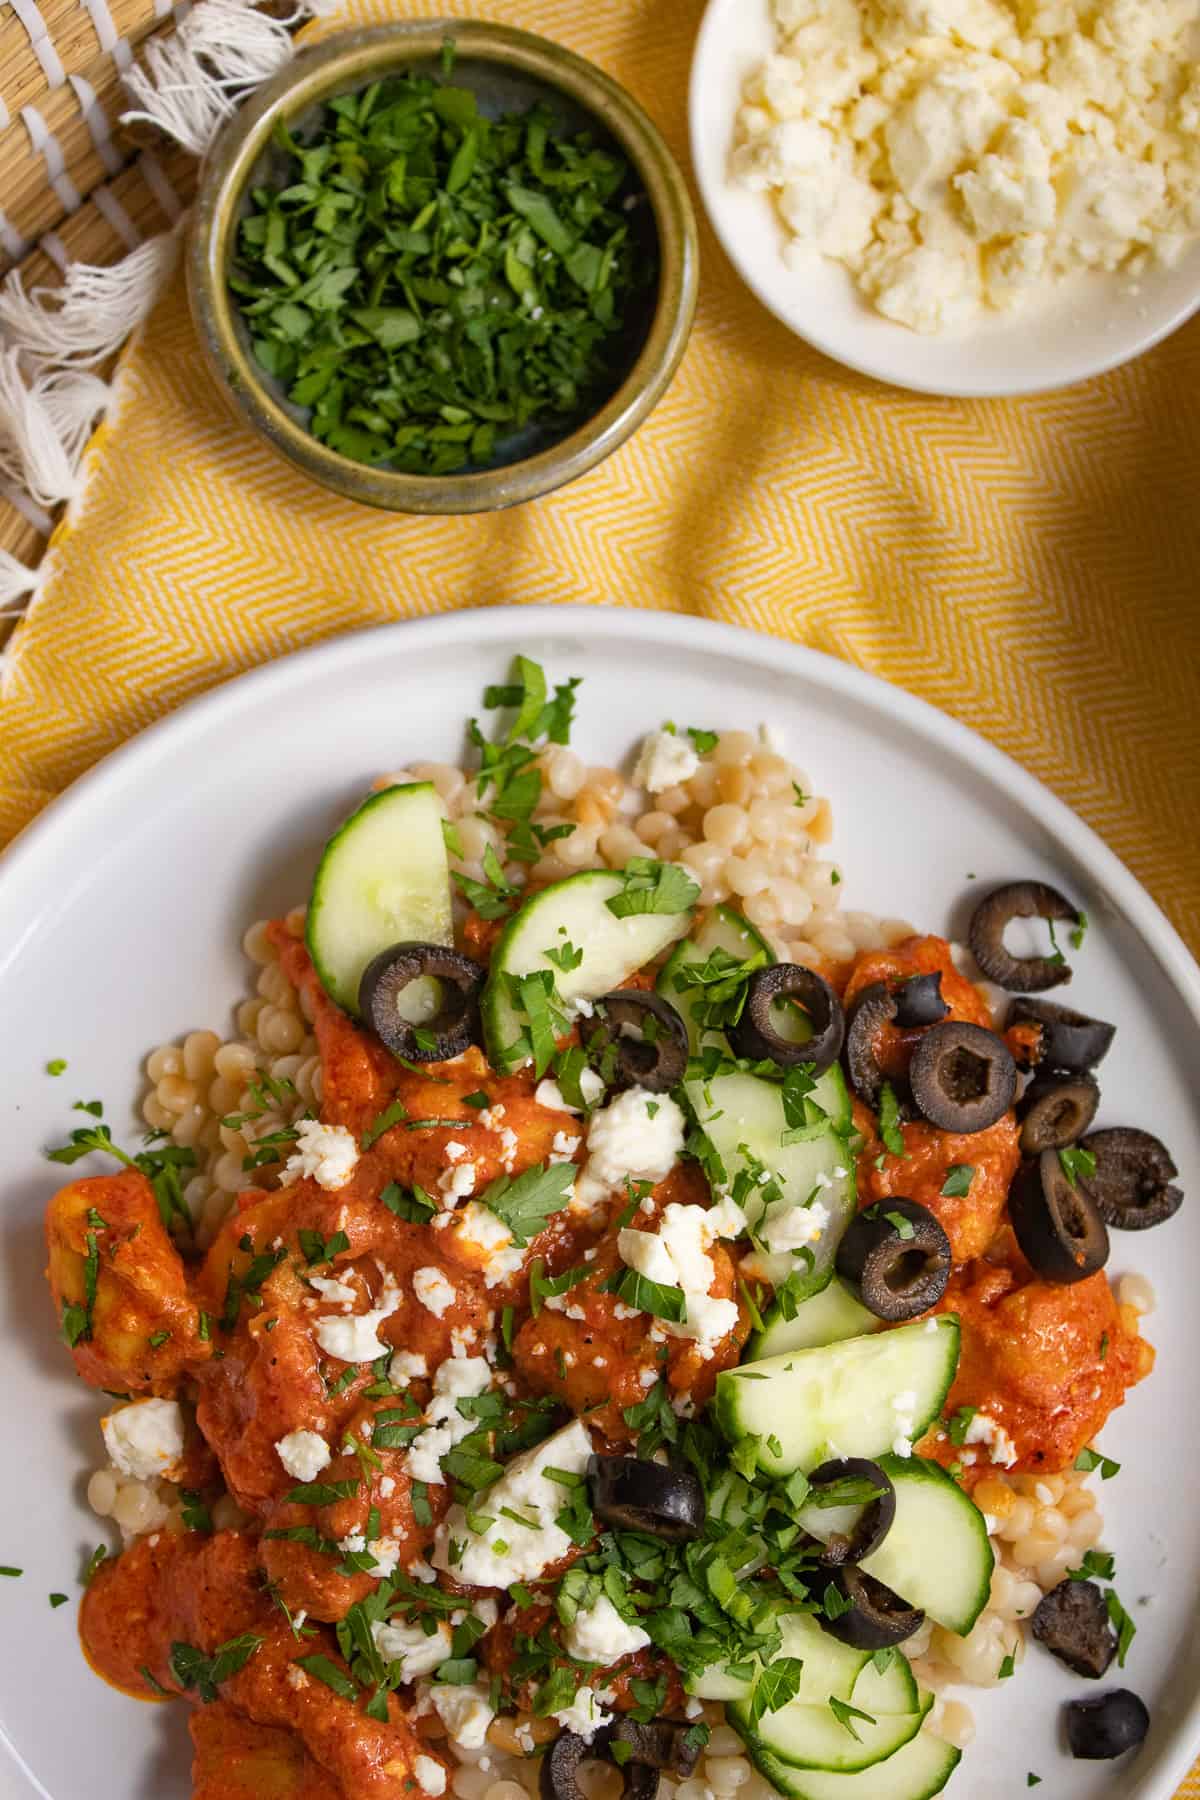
x=57 y=1066
x=1122 y=1624
x=653 y=887
x=1076 y=1162
x=1089 y=1459
x=959 y=1423
x=845 y=1714
x=57 y=1600
x=890 y=1134
x=525 y=1202
x=543 y=1287
x=957 y=1184
x=1097 y=1565
x=904 y=1228
x=391 y=1115
x=193 y=1670
x=648 y=1296
x=416 y=1207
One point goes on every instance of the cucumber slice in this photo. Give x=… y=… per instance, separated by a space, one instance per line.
x=745 y=1110
x=722 y=929
x=826 y=1318
x=937 y=1555
x=574 y=911
x=917 y=1771
x=806 y=1736
x=829 y=1668
x=382 y=880
x=840 y=1399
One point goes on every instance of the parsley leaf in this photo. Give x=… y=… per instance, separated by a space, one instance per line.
x=958 y=1181
x=526 y=1202
x=778 y=1683
x=1076 y=1162
x=653 y=887
x=651 y=1296
x=1088 y=1459
x=192 y=1669
x=890 y=1133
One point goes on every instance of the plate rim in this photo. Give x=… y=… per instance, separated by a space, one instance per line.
x=962 y=389
x=619 y=627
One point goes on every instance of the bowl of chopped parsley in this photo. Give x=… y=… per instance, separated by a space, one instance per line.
x=443 y=273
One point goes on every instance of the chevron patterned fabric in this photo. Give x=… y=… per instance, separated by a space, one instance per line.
x=1031 y=566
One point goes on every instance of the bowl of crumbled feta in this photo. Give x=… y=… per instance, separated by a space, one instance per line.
x=961 y=197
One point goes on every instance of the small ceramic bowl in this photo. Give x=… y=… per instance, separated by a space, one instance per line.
x=508 y=71
x=1085 y=325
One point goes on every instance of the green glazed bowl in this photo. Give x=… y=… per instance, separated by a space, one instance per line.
x=508 y=71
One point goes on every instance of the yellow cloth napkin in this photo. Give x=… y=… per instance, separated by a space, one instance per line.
x=1031 y=566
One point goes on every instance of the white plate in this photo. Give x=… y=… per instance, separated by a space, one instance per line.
x=121 y=912
x=1090 y=324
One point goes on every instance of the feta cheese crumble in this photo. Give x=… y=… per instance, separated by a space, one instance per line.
x=598 y=1634
x=586 y=1714
x=550 y=1095
x=430 y=1774
x=407 y=1644
x=304 y=1454
x=677 y=1256
x=967 y=154
x=326 y=1154
x=445 y=1424
x=985 y=1430
x=638 y=1135
x=406 y=1366
x=354 y=1339
x=144 y=1439
x=433 y=1291
x=664 y=761
x=504 y=1551
x=465 y=1712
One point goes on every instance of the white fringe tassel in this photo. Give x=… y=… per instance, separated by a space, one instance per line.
x=16 y=580
x=93 y=312
x=45 y=422
x=190 y=82
x=193 y=80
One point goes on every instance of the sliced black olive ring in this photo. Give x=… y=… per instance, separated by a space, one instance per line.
x=963 y=1078
x=449 y=1030
x=757 y=1036
x=635 y=1495
x=1019 y=900
x=649 y=1750
x=874 y=1519
x=898 y=1256
x=871 y=1011
x=1067 y=1040
x=875 y=1618
x=1072 y=1623
x=1058 y=1228
x=1055 y=1111
x=1107 y=1726
x=648 y=1036
x=1133 y=1183
x=919 y=1001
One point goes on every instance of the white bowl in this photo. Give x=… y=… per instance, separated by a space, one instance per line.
x=1087 y=325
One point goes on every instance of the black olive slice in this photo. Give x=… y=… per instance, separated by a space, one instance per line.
x=1107 y=1726
x=1019 y=900
x=756 y=1034
x=661 y=1745
x=1057 y=1225
x=665 y=1744
x=875 y=1617
x=558 y=1778
x=1055 y=1111
x=445 y=1034
x=898 y=1255
x=871 y=1010
x=1068 y=1040
x=646 y=1496
x=649 y=1039
x=1072 y=1622
x=963 y=1078
x=1132 y=1186
x=919 y=1001
x=832 y=1489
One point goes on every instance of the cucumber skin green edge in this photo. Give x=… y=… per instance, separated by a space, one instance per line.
x=790 y=1781
x=316 y=903
x=721 y=1399
x=759 y=1753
